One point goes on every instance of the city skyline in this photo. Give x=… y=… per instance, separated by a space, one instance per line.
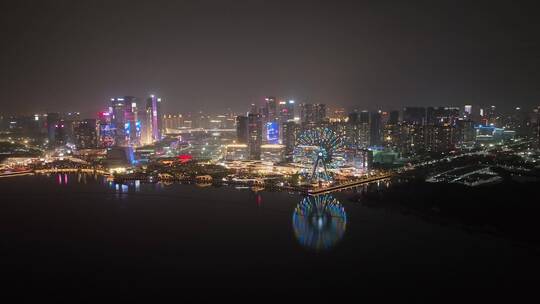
x=209 y=54
x=161 y=145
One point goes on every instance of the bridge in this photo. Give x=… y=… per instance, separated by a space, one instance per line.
x=349 y=185
x=18 y=173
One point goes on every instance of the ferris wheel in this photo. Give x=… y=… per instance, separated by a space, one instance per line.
x=321 y=144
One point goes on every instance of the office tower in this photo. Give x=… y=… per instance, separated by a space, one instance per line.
x=289 y=133
x=313 y=113
x=132 y=124
x=146 y=117
x=154 y=117
x=60 y=137
x=118 y=120
x=254 y=135
x=492 y=116
x=375 y=129
x=270 y=109
x=85 y=133
x=467 y=111
x=286 y=110
x=105 y=130
x=52 y=121
x=272 y=132
x=393 y=118
x=242 y=129
x=466 y=134
x=414 y=115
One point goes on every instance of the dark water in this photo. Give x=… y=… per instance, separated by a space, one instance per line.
x=70 y=231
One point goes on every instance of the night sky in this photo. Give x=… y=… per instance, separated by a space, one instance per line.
x=214 y=55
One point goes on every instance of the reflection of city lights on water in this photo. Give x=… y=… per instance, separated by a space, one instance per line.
x=319 y=222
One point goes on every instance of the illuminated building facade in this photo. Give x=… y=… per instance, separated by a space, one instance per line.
x=153 y=107
x=272 y=132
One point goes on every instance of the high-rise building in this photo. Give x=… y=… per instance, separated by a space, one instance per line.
x=242 y=129
x=60 y=136
x=52 y=122
x=153 y=105
x=391 y=131
x=254 y=135
x=272 y=132
x=86 y=134
x=375 y=129
x=364 y=117
x=393 y=118
x=411 y=139
x=289 y=133
x=466 y=134
x=442 y=115
x=313 y=113
x=467 y=111
x=414 y=115
x=270 y=109
x=440 y=138
x=132 y=124
x=118 y=120
x=106 y=132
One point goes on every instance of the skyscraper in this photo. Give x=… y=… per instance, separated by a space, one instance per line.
x=154 y=103
x=154 y=118
x=375 y=129
x=52 y=121
x=270 y=108
x=414 y=115
x=242 y=129
x=86 y=134
x=289 y=133
x=313 y=113
x=255 y=135
x=118 y=120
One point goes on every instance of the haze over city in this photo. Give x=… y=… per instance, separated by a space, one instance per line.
x=197 y=55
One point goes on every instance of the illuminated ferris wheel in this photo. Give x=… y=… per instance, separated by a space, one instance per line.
x=319 y=145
